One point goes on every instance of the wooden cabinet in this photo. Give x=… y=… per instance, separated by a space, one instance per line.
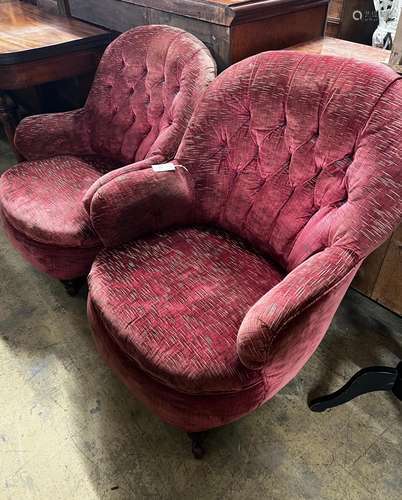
x=380 y=277
x=232 y=29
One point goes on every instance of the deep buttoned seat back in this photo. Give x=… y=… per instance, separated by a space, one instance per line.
x=143 y=96
x=288 y=176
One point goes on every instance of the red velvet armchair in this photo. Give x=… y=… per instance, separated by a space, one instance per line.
x=139 y=106
x=234 y=264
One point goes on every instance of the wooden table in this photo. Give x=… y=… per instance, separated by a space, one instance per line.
x=232 y=29
x=37 y=47
x=380 y=277
x=336 y=47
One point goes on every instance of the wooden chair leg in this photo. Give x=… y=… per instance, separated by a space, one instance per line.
x=374 y=378
x=74 y=286
x=9 y=119
x=196 y=444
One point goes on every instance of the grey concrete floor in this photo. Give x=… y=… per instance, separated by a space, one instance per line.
x=70 y=430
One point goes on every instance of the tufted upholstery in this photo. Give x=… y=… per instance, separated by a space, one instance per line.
x=144 y=93
x=298 y=156
x=293 y=153
x=142 y=98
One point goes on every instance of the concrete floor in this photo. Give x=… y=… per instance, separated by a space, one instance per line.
x=70 y=430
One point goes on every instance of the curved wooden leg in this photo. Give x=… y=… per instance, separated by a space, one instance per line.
x=9 y=119
x=374 y=378
x=73 y=286
x=196 y=444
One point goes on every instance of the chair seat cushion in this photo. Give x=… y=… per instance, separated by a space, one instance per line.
x=42 y=199
x=174 y=302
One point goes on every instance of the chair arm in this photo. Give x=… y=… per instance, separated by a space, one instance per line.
x=113 y=174
x=298 y=301
x=42 y=136
x=141 y=202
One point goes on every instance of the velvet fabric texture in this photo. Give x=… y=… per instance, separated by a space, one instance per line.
x=288 y=176
x=142 y=98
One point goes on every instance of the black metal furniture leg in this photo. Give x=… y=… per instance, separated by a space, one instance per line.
x=374 y=378
x=397 y=389
x=74 y=286
x=196 y=444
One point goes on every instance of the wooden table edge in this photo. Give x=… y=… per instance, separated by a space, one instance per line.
x=92 y=42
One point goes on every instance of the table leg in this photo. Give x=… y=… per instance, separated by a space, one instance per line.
x=374 y=378
x=9 y=118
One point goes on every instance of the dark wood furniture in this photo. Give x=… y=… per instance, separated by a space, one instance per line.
x=232 y=29
x=37 y=47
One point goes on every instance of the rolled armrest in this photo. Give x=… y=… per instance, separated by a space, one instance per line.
x=110 y=176
x=291 y=302
x=43 y=136
x=141 y=202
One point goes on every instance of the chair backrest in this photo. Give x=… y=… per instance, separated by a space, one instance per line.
x=144 y=92
x=299 y=152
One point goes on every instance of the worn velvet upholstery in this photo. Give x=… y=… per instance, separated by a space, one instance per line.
x=143 y=96
x=231 y=268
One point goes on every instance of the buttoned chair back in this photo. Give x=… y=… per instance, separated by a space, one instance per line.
x=297 y=153
x=144 y=93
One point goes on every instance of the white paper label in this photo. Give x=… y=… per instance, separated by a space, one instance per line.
x=164 y=167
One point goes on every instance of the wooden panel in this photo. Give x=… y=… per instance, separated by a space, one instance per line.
x=334 y=17
x=332 y=29
x=216 y=37
x=27 y=74
x=368 y=274
x=388 y=288
x=225 y=12
x=122 y=16
x=335 y=9
x=268 y=29
x=263 y=9
x=203 y=10
x=113 y=14
x=277 y=33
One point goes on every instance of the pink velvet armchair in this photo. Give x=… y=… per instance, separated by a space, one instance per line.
x=139 y=106
x=234 y=264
